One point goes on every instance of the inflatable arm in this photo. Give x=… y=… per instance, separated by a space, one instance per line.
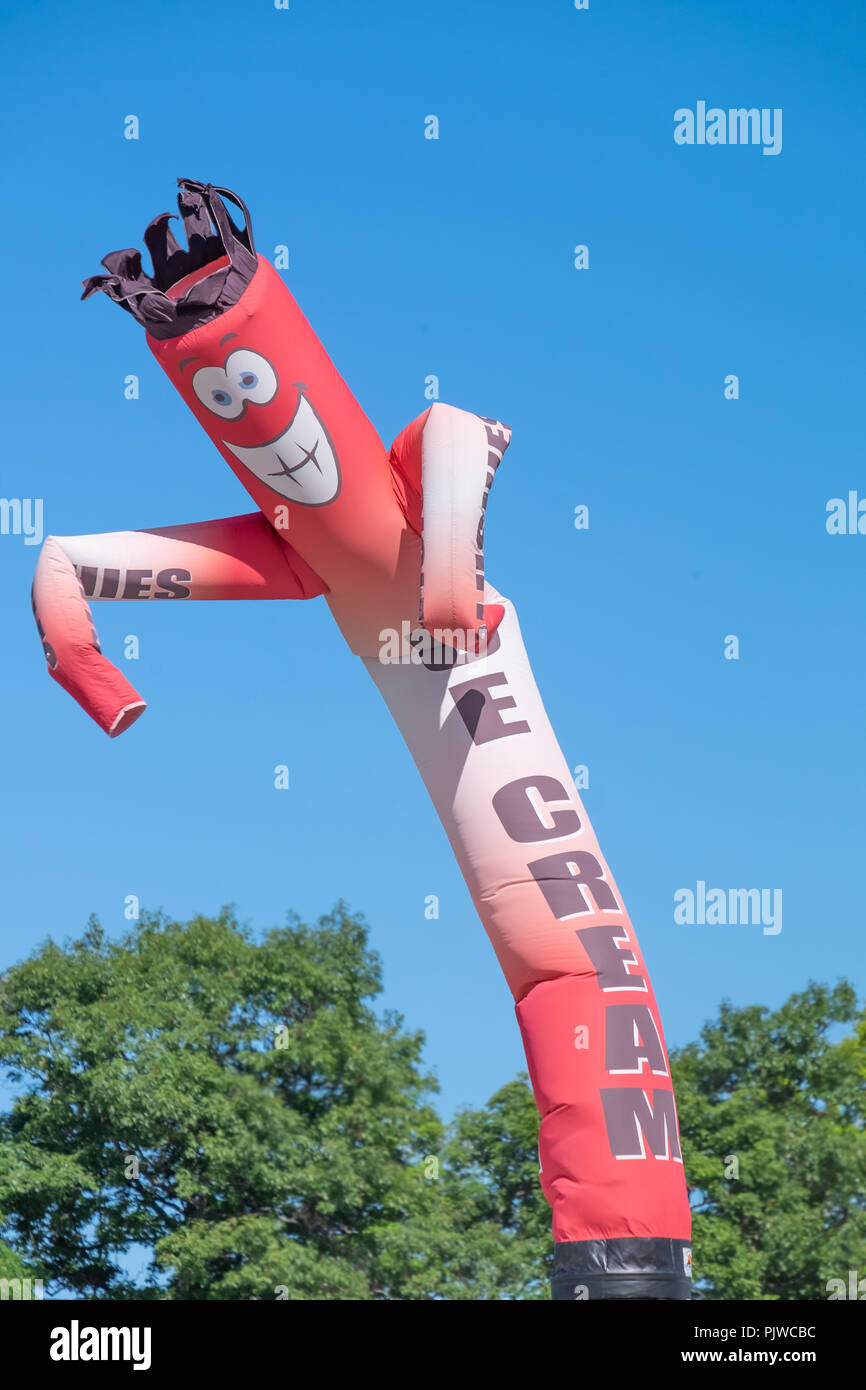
x=449 y=458
x=238 y=557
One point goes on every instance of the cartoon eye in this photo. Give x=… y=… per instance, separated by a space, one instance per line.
x=252 y=374
x=247 y=379
x=212 y=388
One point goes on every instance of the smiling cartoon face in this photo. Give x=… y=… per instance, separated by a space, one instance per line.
x=259 y=381
x=229 y=335
x=299 y=463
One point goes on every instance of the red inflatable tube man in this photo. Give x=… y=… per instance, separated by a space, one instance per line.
x=341 y=516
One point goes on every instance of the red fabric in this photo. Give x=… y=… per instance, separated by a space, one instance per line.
x=71 y=646
x=593 y=1193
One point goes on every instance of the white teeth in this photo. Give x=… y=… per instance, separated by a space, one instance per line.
x=300 y=464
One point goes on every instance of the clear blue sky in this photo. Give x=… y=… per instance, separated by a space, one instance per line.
x=454 y=257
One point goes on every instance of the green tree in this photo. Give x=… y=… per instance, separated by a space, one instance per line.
x=236 y=1110
x=491 y=1180
x=234 y=1114
x=12 y=1266
x=773 y=1122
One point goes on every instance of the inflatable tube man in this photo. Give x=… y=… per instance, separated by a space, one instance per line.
x=394 y=541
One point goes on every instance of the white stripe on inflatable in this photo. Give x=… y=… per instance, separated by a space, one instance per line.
x=454 y=471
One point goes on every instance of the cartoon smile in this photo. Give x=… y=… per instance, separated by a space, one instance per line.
x=300 y=464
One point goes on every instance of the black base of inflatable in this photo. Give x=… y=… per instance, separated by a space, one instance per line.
x=630 y=1267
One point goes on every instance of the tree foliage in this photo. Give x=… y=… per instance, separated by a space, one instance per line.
x=773 y=1122
x=199 y=1114
x=237 y=1109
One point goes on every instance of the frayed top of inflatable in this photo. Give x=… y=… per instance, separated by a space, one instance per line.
x=188 y=286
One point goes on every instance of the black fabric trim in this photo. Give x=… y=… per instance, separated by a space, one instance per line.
x=211 y=234
x=628 y=1267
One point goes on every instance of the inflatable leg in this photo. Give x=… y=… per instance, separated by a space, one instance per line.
x=611 y=1165
x=237 y=557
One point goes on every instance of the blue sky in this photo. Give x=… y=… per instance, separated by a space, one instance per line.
x=454 y=257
